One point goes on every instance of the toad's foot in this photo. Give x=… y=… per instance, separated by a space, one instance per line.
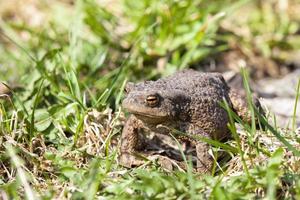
x=129 y=160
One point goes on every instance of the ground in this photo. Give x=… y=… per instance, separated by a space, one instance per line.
x=66 y=64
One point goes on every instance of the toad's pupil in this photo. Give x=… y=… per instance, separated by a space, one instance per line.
x=152 y=100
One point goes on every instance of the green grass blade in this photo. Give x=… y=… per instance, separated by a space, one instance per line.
x=295 y=107
x=21 y=174
x=36 y=101
x=277 y=134
x=236 y=137
x=32 y=58
x=212 y=142
x=189 y=168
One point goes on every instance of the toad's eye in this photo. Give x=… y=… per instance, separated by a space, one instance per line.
x=152 y=100
x=126 y=90
x=128 y=87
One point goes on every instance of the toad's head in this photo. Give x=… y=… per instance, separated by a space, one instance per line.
x=154 y=104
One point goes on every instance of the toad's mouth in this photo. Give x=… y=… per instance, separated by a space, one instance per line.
x=148 y=115
x=150 y=118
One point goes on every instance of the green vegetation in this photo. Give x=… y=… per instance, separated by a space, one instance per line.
x=59 y=131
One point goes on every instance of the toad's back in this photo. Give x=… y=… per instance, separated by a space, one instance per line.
x=196 y=84
x=207 y=91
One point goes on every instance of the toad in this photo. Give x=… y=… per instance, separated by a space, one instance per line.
x=188 y=101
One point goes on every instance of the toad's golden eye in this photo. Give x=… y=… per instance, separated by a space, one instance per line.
x=128 y=87
x=152 y=100
x=126 y=90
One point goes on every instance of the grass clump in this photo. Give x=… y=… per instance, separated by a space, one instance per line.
x=59 y=130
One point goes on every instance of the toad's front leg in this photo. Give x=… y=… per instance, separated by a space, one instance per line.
x=204 y=159
x=131 y=143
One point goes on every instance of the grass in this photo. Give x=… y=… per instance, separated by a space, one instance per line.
x=60 y=129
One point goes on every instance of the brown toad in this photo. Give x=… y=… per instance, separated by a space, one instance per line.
x=188 y=101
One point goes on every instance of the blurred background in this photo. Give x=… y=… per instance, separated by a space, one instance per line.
x=107 y=42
